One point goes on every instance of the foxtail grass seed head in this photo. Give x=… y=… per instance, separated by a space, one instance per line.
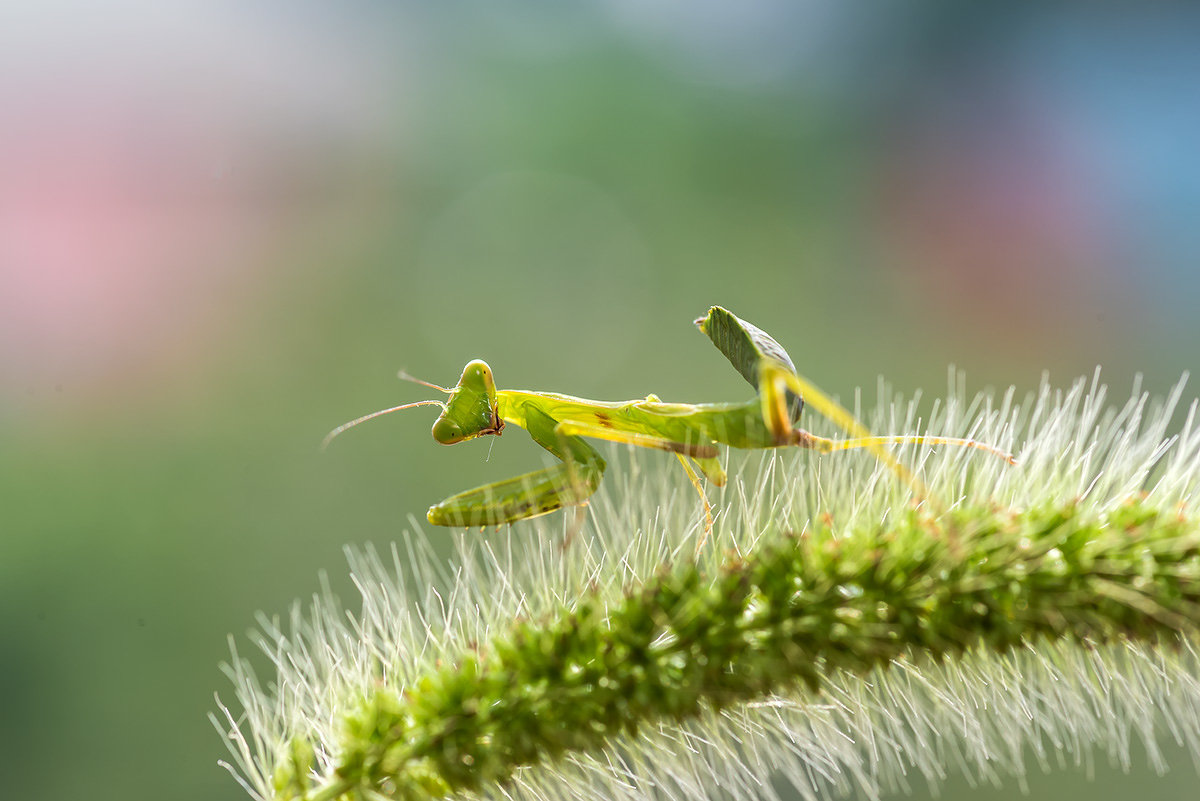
x=835 y=633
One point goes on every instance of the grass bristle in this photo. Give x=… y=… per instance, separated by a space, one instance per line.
x=835 y=634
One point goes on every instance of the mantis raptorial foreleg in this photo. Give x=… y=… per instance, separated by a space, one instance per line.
x=532 y=494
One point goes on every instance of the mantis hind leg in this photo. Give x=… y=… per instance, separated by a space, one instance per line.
x=532 y=494
x=775 y=379
x=827 y=445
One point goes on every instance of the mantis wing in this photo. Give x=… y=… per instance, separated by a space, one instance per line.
x=747 y=347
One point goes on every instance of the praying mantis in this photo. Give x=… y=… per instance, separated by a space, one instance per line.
x=562 y=424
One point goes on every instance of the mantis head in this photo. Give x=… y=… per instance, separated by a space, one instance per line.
x=471 y=409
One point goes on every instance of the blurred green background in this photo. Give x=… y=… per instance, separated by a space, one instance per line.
x=224 y=226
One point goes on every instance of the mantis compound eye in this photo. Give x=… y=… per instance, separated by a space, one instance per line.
x=477 y=377
x=447 y=432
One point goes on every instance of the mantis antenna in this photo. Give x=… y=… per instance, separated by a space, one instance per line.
x=329 y=437
x=404 y=376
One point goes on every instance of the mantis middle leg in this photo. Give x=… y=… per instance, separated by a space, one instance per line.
x=703 y=454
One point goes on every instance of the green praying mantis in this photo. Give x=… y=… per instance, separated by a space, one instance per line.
x=562 y=424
